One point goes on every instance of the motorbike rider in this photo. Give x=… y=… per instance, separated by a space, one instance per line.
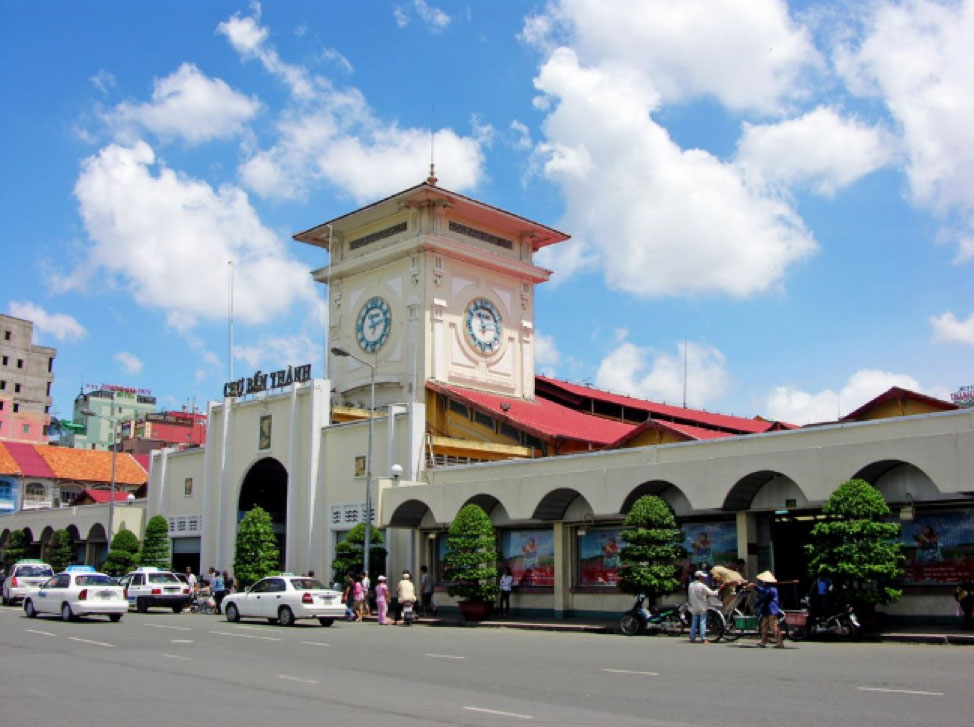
x=406 y=590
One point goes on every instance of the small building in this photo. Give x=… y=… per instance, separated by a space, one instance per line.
x=26 y=376
x=100 y=410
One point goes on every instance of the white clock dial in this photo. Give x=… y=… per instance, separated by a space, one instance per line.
x=484 y=326
x=373 y=324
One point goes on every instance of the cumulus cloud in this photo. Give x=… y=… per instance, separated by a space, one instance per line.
x=273 y=352
x=331 y=135
x=190 y=105
x=167 y=238
x=659 y=219
x=129 y=363
x=651 y=374
x=63 y=327
x=948 y=329
x=790 y=404
x=821 y=149
x=917 y=57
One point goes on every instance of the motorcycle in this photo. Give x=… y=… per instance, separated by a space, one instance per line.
x=655 y=619
x=804 y=624
x=407 y=613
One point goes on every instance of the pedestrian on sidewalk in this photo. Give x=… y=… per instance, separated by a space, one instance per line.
x=426 y=590
x=697 y=594
x=768 y=609
x=382 y=600
x=358 y=598
x=507 y=583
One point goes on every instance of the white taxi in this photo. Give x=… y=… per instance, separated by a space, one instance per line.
x=148 y=586
x=24 y=577
x=78 y=591
x=285 y=598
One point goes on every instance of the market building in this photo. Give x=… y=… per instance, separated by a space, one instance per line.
x=430 y=370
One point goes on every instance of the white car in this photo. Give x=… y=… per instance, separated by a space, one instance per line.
x=25 y=576
x=285 y=598
x=147 y=587
x=79 y=591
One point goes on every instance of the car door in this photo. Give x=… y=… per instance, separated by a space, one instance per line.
x=249 y=602
x=273 y=597
x=50 y=595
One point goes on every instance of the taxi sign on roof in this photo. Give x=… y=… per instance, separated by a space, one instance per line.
x=80 y=569
x=148 y=569
x=30 y=561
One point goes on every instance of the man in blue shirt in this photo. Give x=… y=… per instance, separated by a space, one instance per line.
x=768 y=609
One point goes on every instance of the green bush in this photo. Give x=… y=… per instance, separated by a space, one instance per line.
x=349 y=553
x=17 y=549
x=471 y=556
x=857 y=546
x=60 y=553
x=653 y=550
x=123 y=553
x=257 y=555
x=155 y=546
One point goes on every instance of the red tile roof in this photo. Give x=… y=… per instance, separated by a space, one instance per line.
x=28 y=462
x=99 y=496
x=694 y=417
x=64 y=463
x=894 y=393
x=686 y=432
x=541 y=418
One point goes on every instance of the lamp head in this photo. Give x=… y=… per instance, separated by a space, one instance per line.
x=338 y=351
x=396 y=470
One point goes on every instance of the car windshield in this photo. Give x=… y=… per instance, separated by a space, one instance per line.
x=95 y=580
x=307 y=584
x=162 y=578
x=34 y=570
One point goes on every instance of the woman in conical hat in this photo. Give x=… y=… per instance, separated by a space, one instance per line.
x=768 y=609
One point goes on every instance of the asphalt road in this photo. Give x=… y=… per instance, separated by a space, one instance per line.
x=162 y=668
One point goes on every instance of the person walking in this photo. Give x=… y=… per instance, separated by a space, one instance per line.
x=382 y=599
x=507 y=583
x=219 y=589
x=697 y=595
x=426 y=590
x=348 y=596
x=768 y=609
x=367 y=587
x=358 y=598
x=405 y=590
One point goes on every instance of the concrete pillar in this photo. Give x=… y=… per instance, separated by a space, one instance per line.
x=747 y=541
x=562 y=595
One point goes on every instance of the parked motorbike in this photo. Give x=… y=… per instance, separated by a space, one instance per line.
x=653 y=620
x=841 y=622
x=407 y=613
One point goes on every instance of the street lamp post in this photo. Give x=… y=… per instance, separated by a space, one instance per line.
x=111 y=501
x=368 y=462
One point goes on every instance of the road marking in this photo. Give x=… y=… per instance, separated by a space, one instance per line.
x=295 y=679
x=89 y=641
x=42 y=633
x=315 y=643
x=251 y=628
x=166 y=626
x=445 y=656
x=499 y=714
x=180 y=641
x=244 y=636
x=173 y=656
x=630 y=671
x=900 y=691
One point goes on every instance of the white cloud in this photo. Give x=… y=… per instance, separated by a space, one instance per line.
x=748 y=55
x=60 y=325
x=659 y=219
x=821 y=149
x=789 y=404
x=919 y=59
x=129 y=363
x=434 y=18
x=190 y=105
x=948 y=329
x=273 y=352
x=167 y=239
x=330 y=54
x=643 y=372
x=331 y=135
x=546 y=355
x=103 y=81
x=522 y=136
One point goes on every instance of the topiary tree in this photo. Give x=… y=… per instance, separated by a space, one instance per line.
x=60 y=553
x=123 y=553
x=256 y=554
x=857 y=546
x=17 y=549
x=653 y=550
x=155 y=546
x=349 y=553
x=471 y=556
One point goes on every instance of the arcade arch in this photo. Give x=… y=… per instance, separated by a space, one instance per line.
x=265 y=486
x=673 y=495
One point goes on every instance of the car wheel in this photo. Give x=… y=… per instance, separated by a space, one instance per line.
x=326 y=621
x=177 y=609
x=141 y=605
x=233 y=615
x=114 y=617
x=29 y=609
x=285 y=616
x=66 y=613
x=6 y=601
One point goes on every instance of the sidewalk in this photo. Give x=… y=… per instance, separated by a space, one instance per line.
x=903 y=634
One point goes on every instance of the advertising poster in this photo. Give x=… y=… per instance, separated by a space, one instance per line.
x=939 y=547
x=710 y=543
x=530 y=554
x=598 y=557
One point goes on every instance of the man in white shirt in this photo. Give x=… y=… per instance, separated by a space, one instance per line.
x=697 y=595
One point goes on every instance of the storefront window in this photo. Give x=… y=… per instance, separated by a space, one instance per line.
x=598 y=557
x=530 y=554
x=712 y=543
x=939 y=547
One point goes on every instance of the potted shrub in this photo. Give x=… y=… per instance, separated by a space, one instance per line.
x=471 y=562
x=654 y=547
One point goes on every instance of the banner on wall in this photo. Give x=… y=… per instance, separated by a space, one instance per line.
x=530 y=554
x=598 y=557
x=710 y=543
x=939 y=547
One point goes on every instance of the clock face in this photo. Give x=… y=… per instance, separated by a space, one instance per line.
x=484 y=325
x=374 y=322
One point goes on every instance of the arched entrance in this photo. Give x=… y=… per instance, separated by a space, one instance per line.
x=265 y=486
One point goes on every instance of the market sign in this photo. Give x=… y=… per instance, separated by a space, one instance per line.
x=272 y=380
x=118 y=389
x=964 y=396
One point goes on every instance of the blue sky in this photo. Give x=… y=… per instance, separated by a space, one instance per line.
x=778 y=192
